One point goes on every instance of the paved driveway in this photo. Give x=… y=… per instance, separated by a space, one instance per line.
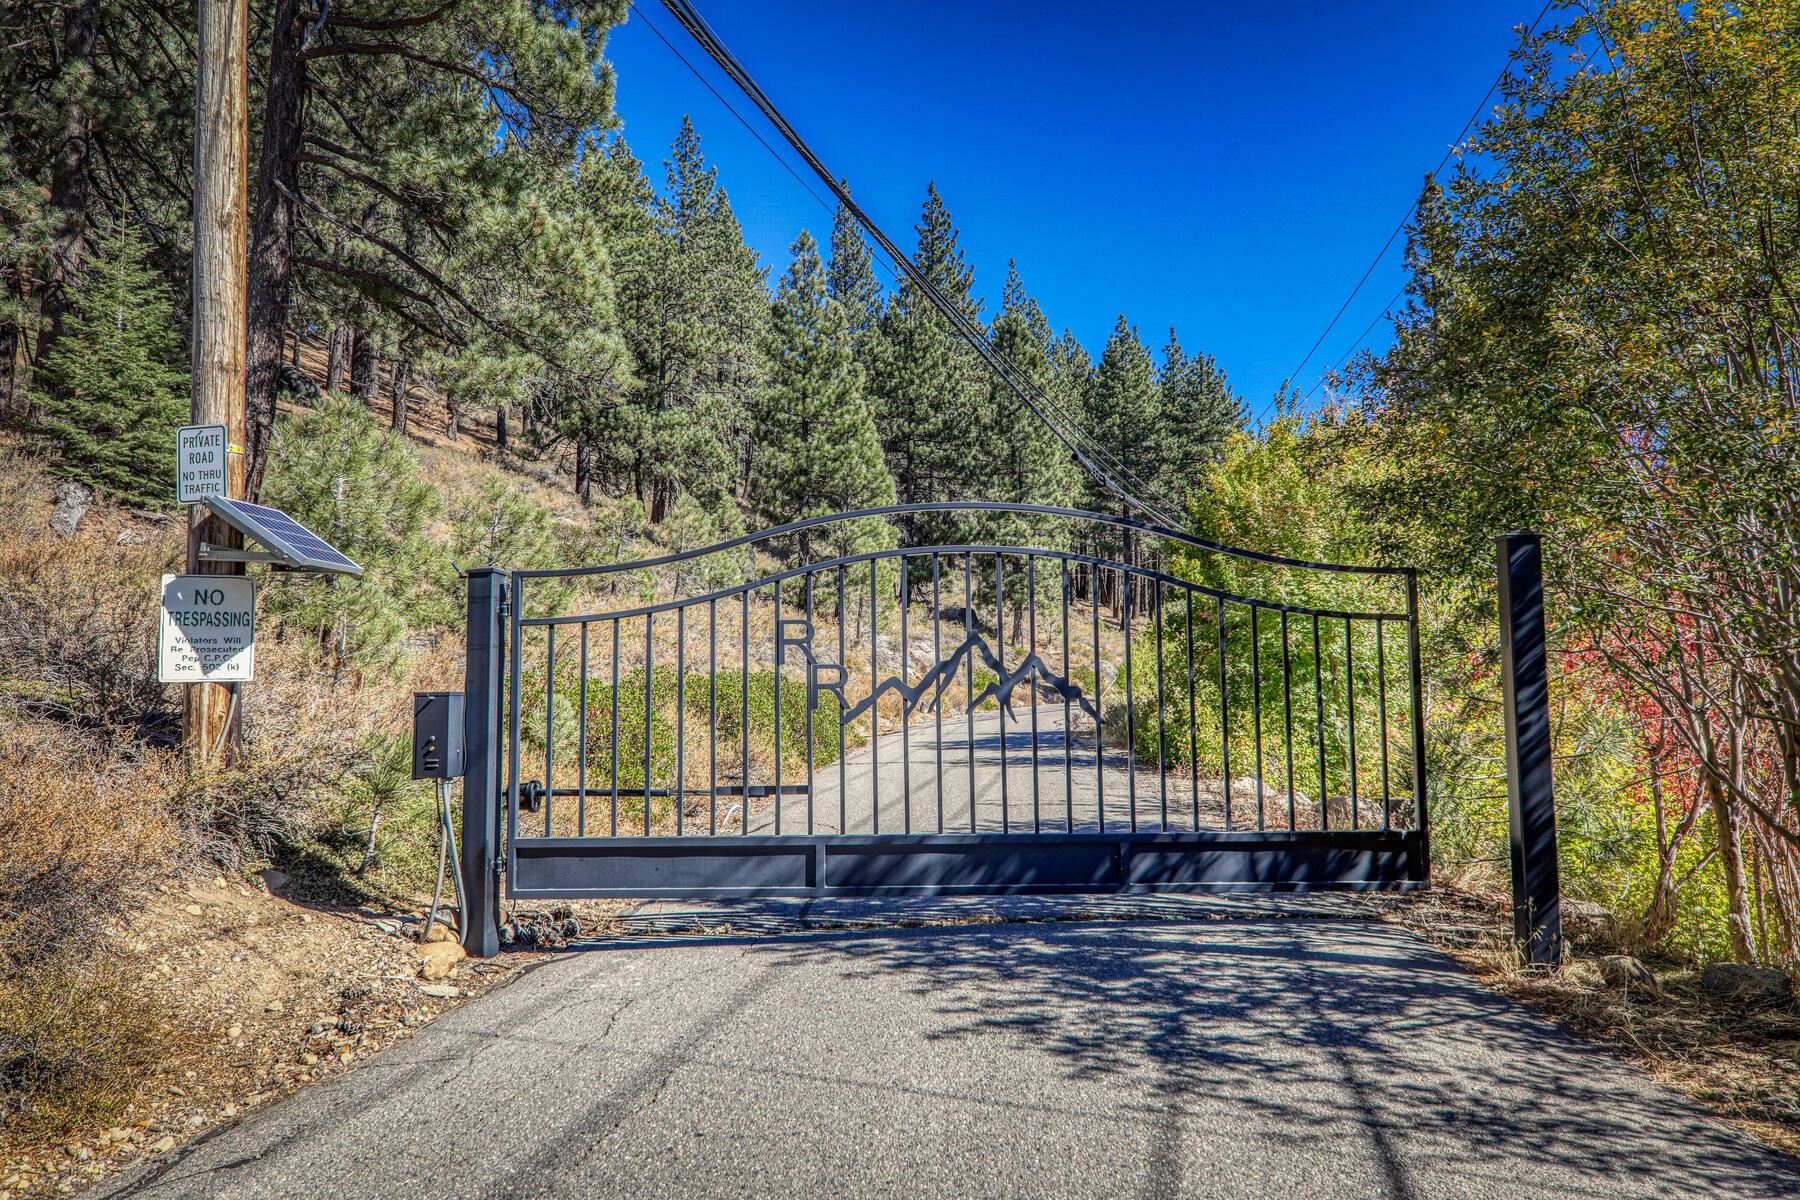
x=1026 y=771
x=1264 y=1056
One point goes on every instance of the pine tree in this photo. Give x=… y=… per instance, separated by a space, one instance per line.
x=1124 y=412
x=1125 y=418
x=113 y=390
x=930 y=389
x=1199 y=412
x=816 y=449
x=693 y=305
x=1031 y=465
x=851 y=280
x=357 y=486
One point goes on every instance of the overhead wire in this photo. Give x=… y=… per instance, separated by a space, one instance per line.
x=1099 y=462
x=1412 y=208
x=1388 y=308
x=1071 y=428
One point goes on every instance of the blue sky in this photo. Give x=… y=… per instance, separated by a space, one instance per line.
x=1226 y=169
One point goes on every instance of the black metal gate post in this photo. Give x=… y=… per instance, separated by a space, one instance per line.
x=1537 y=904
x=481 y=784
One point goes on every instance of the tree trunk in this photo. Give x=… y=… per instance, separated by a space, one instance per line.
x=583 y=482
x=452 y=428
x=69 y=175
x=364 y=366
x=334 y=359
x=9 y=364
x=272 y=232
x=401 y=377
x=501 y=438
x=1731 y=857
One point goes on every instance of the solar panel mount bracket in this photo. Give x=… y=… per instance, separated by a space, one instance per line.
x=212 y=553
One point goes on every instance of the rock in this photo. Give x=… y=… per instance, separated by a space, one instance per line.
x=1108 y=673
x=441 y=932
x=1586 y=912
x=1464 y=936
x=309 y=1060
x=72 y=503
x=161 y=1145
x=193 y=910
x=1740 y=981
x=441 y=991
x=1626 y=972
x=440 y=959
x=274 y=880
x=235 y=1032
x=116 y=1134
x=920 y=656
x=275 y=1006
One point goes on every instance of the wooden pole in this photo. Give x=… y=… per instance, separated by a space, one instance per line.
x=211 y=715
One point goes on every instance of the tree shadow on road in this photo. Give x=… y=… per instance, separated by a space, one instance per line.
x=1317 y=1030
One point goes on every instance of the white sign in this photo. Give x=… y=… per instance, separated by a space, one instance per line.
x=208 y=629
x=200 y=462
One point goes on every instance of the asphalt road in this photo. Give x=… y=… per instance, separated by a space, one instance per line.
x=1254 y=1057
x=909 y=780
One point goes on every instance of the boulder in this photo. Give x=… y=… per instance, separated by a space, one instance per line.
x=72 y=503
x=440 y=959
x=1741 y=981
x=1625 y=972
x=440 y=932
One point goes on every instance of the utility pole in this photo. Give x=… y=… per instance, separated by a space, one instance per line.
x=211 y=717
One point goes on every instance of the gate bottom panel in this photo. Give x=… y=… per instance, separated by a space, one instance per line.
x=964 y=864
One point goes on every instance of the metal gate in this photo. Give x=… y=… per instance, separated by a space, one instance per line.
x=951 y=698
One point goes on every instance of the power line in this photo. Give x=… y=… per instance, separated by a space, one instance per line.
x=1388 y=308
x=798 y=178
x=1414 y=206
x=1082 y=446
x=880 y=255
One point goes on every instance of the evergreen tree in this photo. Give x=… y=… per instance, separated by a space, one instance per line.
x=357 y=486
x=693 y=305
x=851 y=281
x=930 y=389
x=1031 y=465
x=1124 y=412
x=1124 y=416
x=816 y=449
x=1199 y=412
x=113 y=389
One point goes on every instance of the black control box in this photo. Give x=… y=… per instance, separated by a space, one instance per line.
x=437 y=735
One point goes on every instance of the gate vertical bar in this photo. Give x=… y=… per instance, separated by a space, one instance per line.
x=481 y=782
x=1537 y=902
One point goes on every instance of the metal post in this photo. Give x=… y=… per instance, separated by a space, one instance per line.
x=1416 y=685
x=1537 y=911
x=481 y=782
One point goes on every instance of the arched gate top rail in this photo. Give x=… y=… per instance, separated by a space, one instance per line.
x=896 y=510
x=1069 y=556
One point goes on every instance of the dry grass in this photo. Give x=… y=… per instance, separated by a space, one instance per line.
x=78 y=626
x=78 y=1038
x=83 y=831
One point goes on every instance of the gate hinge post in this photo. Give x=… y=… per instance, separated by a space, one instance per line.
x=481 y=782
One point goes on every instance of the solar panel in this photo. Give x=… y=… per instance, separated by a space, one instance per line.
x=301 y=547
